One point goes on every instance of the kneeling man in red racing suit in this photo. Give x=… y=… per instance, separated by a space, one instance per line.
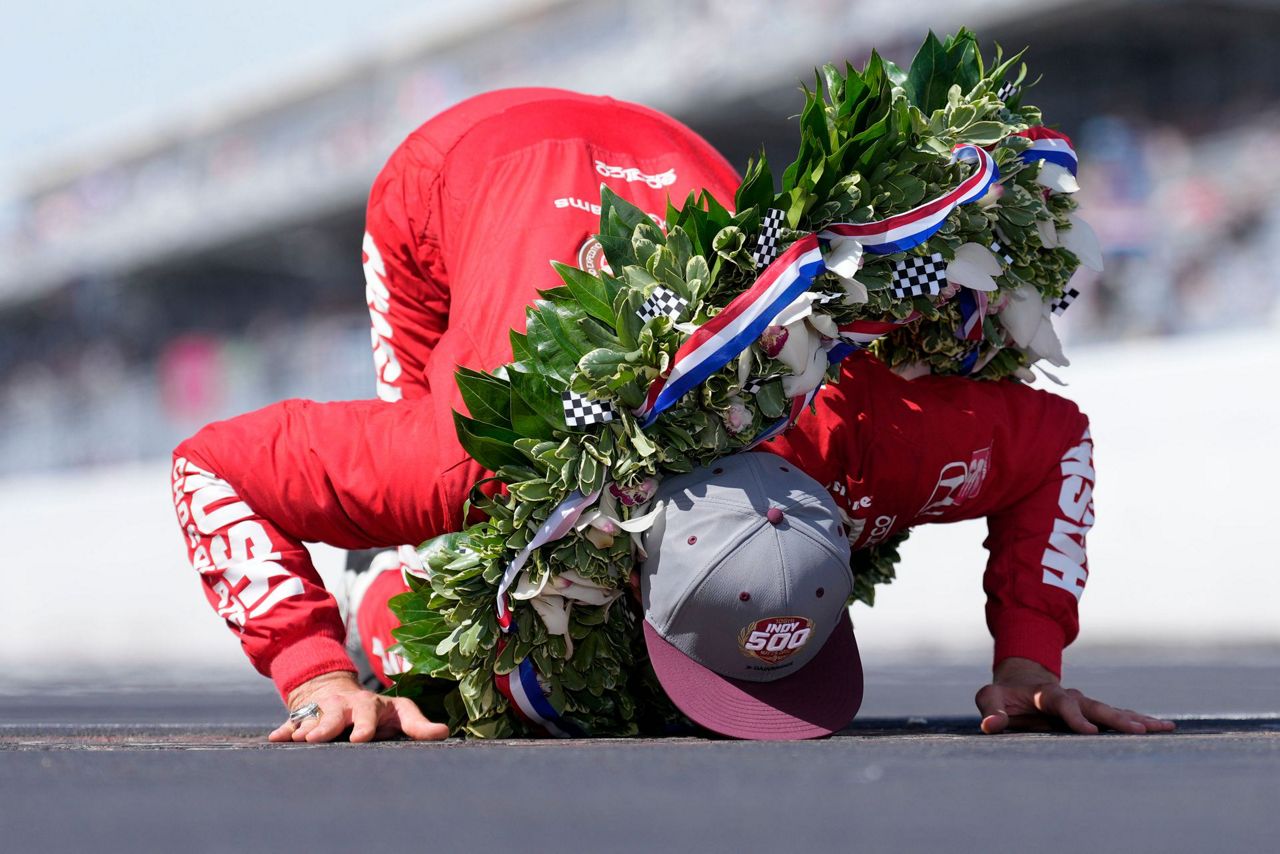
x=462 y=223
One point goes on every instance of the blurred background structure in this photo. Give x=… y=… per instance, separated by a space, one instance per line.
x=181 y=211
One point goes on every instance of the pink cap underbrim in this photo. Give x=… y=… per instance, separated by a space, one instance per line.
x=817 y=700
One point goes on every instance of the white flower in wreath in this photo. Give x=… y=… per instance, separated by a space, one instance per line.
x=577 y=588
x=552 y=598
x=744 y=367
x=824 y=325
x=855 y=293
x=604 y=522
x=802 y=351
x=1029 y=321
x=803 y=383
x=554 y=613
x=843 y=260
x=601 y=533
x=1079 y=238
x=1083 y=242
x=1048 y=233
x=1056 y=178
x=974 y=267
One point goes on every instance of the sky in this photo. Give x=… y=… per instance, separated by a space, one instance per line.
x=77 y=71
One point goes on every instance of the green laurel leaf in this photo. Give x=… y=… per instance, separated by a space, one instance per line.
x=490 y=445
x=487 y=397
x=589 y=291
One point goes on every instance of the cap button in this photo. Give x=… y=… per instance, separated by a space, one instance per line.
x=774 y=516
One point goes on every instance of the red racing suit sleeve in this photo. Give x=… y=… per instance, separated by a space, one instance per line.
x=251 y=490
x=1038 y=566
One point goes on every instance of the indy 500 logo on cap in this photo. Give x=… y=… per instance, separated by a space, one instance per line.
x=775 y=638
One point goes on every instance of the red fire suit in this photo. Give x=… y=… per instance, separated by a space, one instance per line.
x=462 y=224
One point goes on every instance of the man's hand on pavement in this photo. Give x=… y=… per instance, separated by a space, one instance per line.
x=1025 y=696
x=343 y=703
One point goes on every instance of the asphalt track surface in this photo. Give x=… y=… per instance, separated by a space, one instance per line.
x=158 y=767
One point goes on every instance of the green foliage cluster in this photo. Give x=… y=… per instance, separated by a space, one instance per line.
x=877 y=143
x=874 y=143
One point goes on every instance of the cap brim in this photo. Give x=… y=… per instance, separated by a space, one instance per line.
x=817 y=700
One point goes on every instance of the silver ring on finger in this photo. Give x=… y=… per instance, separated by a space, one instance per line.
x=302 y=713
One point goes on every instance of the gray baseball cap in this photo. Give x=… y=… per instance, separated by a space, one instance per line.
x=744 y=593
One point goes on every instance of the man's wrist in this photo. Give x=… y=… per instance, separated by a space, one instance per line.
x=320 y=652
x=1028 y=634
x=1021 y=671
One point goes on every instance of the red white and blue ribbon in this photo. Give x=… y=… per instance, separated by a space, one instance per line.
x=865 y=332
x=525 y=694
x=1049 y=146
x=973 y=308
x=719 y=341
x=861 y=334
x=907 y=230
x=521 y=687
x=839 y=350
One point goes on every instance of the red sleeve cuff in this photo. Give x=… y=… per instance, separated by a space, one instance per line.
x=314 y=655
x=1021 y=633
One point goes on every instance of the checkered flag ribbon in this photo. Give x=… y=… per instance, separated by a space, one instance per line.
x=770 y=237
x=581 y=411
x=662 y=302
x=754 y=384
x=918 y=276
x=1068 y=297
x=1007 y=91
x=998 y=248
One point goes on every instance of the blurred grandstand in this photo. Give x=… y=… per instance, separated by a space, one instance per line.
x=211 y=264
